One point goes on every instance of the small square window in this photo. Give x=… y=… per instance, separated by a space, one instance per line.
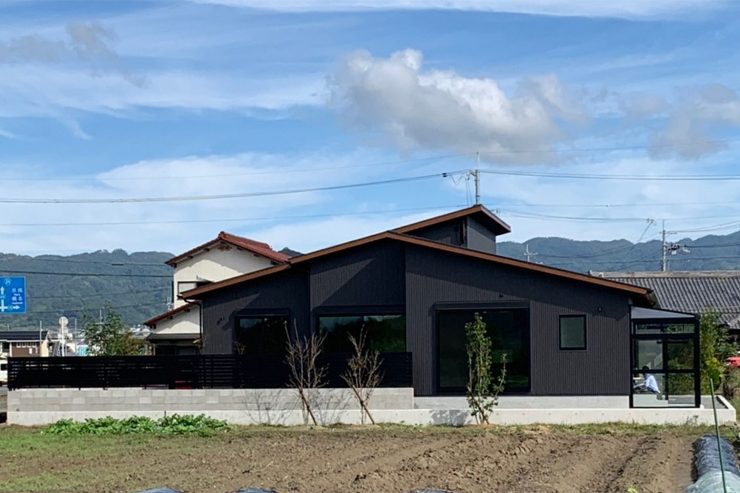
x=572 y=332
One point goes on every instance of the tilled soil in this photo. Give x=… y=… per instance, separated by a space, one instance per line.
x=536 y=459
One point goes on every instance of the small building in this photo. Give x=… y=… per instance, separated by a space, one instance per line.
x=414 y=288
x=177 y=331
x=691 y=291
x=20 y=343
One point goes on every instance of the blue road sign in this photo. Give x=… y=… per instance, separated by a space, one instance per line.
x=12 y=295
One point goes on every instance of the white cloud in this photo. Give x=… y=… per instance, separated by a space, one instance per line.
x=187 y=176
x=581 y=8
x=394 y=99
x=87 y=43
x=49 y=91
x=694 y=118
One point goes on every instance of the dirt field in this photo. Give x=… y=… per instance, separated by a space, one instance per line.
x=536 y=459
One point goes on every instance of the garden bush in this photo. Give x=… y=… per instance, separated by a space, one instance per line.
x=174 y=424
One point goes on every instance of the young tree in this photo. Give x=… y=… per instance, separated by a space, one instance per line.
x=304 y=371
x=482 y=389
x=110 y=337
x=363 y=373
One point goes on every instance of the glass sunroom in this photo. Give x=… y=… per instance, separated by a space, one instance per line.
x=665 y=359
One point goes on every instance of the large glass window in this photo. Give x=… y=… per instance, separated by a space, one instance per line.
x=664 y=364
x=509 y=332
x=572 y=332
x=385 y=333
x=260 y=334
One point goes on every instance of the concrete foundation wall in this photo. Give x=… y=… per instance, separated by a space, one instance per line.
x=30 y=407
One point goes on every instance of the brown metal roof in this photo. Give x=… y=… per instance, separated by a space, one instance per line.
x=488 y=217
x=643 y=293
x=256 y=247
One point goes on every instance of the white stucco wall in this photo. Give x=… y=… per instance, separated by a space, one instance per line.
x=187 y=322
x=217 y=264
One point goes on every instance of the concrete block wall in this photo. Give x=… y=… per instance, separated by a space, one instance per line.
x=43 y=406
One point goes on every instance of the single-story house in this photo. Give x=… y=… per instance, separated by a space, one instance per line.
x=691 y=291
x=415 y=287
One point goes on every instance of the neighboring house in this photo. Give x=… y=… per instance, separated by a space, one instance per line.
x=414 y=288
x=691 y=291
x=20 y=343
x=177 y=331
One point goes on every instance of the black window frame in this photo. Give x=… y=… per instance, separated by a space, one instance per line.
x=585 y=333
x=362 y=311
x=258 y=313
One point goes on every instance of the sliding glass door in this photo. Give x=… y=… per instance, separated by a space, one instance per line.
x=509 y=332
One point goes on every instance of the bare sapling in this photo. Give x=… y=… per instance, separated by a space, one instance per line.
x=483 y=389
x=305 y=372
x=363 y=374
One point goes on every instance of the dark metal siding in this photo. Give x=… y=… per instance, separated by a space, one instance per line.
x=437 y=277
x=287 y=290
x=479 y=237
x=450 y=232
x=367 y=276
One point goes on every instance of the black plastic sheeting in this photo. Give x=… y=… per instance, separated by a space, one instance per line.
x=706 y=455
x=243 y=490
x=262 y=490
x=707 y=464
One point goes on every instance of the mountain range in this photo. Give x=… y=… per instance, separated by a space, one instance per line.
x=138 y=285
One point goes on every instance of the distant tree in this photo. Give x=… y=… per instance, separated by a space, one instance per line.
x=110 y=337
x=715 y=346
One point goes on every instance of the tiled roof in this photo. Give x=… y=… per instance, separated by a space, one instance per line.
x=22 y=335
x=689 y=291
x=256 y=247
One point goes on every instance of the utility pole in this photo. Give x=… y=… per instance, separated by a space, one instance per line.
x=529 y=254
x=664 y=256
x=476 y=174
x=669 y=248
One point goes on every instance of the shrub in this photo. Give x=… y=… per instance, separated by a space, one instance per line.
x=168 y=425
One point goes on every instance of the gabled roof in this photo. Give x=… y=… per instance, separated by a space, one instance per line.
x=690 y=291
x=152 y=322
x=256 y=247
x=487 y=217
x=640 y=292
x=22 y=335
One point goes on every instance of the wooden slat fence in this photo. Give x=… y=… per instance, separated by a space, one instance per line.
x=197 y=371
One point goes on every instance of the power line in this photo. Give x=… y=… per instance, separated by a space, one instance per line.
x=188 y=198
x=238 y=219
x=594 y=176
x=238 y=175
x=84 y=274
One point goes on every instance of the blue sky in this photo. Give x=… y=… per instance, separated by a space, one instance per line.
x=115 y=100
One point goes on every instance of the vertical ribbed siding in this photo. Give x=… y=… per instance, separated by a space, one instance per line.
x=287 y=290
x=434 y=278
x=366 y=276
x=479 y=237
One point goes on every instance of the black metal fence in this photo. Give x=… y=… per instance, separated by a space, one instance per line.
x=198 y=371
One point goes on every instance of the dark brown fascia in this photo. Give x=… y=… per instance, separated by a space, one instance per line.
x=634 y=290
x=470 y=211
x=153 y=321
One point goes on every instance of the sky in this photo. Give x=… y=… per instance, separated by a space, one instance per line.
x=131 y=104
